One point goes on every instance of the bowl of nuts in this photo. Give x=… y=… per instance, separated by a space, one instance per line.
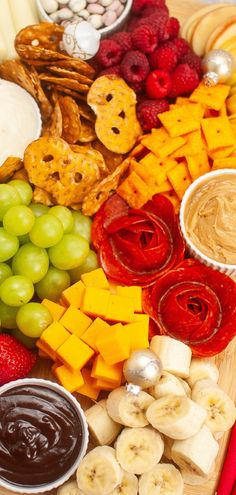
x=107 y=16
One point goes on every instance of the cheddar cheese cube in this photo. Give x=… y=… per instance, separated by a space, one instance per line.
x=55 y=335
x=43 y=354
x=138 y=335
x=75 y=321
x=74 y=353
x=97 y=329
x=141 y=318
x=134 y=293
x=104 y=385
x=102 y=370
x=120 y=309
x=46 y=349
x=95 y=301
x=69 y=380
x=115 y=346
x=74 y=294
x=88 y=388
x=55 y=366
x=95 y=278
x=55 y=309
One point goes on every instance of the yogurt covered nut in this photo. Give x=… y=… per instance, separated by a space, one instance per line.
x=77 y=5
x=96 y=21
x=49 y=6
x=120 y=10
x=54 y=16
x=65 y=13
x=84 y=14
x=115 y=5
x=63 y=2
x=105 y=3
x=95 y=8
x=109 y=17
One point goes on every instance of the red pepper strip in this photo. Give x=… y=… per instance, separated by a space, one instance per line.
x=195 y=304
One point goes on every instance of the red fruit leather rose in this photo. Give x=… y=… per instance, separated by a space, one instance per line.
x=195 y=304
x=136 y=246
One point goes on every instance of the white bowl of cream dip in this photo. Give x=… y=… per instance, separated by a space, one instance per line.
x=20 y=120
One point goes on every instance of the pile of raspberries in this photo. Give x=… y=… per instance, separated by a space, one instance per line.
x=156 y=63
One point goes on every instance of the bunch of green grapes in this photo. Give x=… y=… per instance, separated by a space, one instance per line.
x=42 y=251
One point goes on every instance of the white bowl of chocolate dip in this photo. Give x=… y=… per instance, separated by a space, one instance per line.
x=208 y=220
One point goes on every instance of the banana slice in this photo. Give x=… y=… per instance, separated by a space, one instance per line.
x=139 y=449
x=127 y=486
x=221 y=411
x=176 y=416
x=69 y=488
x=201 y=369
x=174 y=355
x=128 y=409
x=99 y=472
x=197 y=453
x=194 y=479
x=186 y=387
x=101 y=426
x=163 y=479
x=168 y=384
x=168 y=442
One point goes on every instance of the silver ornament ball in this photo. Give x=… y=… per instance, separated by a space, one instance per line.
x=218 y=67
x=80 y=40
x=143 y=368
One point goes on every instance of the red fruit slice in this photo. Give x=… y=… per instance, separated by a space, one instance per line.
x=195 y=304
x=137 y=246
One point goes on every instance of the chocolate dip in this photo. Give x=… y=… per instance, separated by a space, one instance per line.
x=40 y=435
x=210 y=218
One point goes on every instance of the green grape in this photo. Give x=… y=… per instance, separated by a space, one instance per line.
x=53 y=284
x=8 y=245
x=47 y=231
x=5 y=272
x=18 y=220
x=27 y=341
x=33 y=318
x=24 y=189
x=7 y=316
x=8 y=197
x=23 y=239
x=64 y=215
x=16 y=290
x=38 y=209
x=31 y=261
x=82 y=225
x=90 y=263
x=70 y=252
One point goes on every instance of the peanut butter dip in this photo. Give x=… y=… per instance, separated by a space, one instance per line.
x=210 y=219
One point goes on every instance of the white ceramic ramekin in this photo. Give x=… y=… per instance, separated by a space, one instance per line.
x=193 y=250
x=104 y=32
x=85 y=436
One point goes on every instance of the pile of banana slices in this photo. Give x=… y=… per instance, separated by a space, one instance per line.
x=178 y=422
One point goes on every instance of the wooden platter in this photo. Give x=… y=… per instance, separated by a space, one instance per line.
x=225 y=361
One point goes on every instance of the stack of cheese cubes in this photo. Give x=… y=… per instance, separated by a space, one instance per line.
x=95 y=327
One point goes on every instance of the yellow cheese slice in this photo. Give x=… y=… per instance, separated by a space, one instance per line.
x=22 y=13
x=7 y=28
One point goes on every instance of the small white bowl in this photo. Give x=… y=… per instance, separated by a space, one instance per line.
x=105 y=32
x=84 y=439
x=227 y=269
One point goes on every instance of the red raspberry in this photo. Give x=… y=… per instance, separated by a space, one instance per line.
x=137 y=87
x=124 y=40
x=173 y=27
x=193 y=61
x=184 y=80
x=115 y=69
x=182 y=47
x=160 y=24
x=147 y=112
x=134 y=67
x=138 y=5
x=109 y=53
x=157 y=11
x=144 y=38
x=158 y=84
x=164 y=58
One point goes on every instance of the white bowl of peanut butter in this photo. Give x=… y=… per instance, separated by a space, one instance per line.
x=208 y=220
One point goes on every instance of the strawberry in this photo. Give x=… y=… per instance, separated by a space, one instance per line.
x=16 y=361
